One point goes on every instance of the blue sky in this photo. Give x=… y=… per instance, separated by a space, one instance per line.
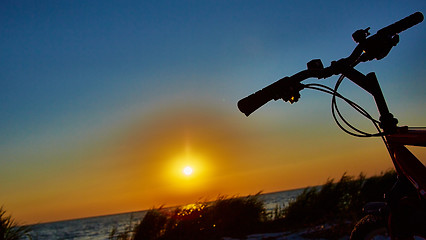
x=74 y=75
x=72 y=59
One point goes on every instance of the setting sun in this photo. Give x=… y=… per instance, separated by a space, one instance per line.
x=187 y=170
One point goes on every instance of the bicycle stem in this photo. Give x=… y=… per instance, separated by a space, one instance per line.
x=370 y=84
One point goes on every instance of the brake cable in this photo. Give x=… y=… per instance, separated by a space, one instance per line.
x=335 y=94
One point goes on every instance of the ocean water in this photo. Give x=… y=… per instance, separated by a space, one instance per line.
x=99 y=228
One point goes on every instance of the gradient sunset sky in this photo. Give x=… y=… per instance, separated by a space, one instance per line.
x=103 y=103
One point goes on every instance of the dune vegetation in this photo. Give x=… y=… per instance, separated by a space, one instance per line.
x=336 y=204
x=9 y=229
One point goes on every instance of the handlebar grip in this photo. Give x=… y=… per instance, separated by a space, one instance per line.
x=254 y=101
x=402 y=24
x=287 y=89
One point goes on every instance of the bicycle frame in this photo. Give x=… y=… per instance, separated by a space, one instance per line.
x=406 y=164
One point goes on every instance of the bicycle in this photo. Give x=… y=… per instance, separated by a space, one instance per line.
x=402 y=214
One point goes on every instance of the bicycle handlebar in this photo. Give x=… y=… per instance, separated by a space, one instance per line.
x=402 y=24
x=376 y=46
x=286 y=88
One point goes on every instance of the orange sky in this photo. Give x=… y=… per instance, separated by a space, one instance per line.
x=139 y=164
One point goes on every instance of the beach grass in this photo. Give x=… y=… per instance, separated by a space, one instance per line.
x=336 y=204
x=337 y=201
x=235 y=217
x=10 y=229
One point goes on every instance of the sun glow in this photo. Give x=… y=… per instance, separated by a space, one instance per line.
x=187 y=170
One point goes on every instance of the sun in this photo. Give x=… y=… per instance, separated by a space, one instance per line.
x=187 y=170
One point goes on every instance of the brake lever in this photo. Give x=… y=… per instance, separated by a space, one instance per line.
x=292 y=93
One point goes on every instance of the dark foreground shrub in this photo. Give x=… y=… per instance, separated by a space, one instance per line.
x=337 y=202
x=234 y=217
x=9 y=229
x=151 y=226
x=237 y=217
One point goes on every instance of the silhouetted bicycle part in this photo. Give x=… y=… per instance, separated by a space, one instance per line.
x=403 y=214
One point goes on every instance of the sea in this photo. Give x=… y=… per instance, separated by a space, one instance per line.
x=100 y=227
